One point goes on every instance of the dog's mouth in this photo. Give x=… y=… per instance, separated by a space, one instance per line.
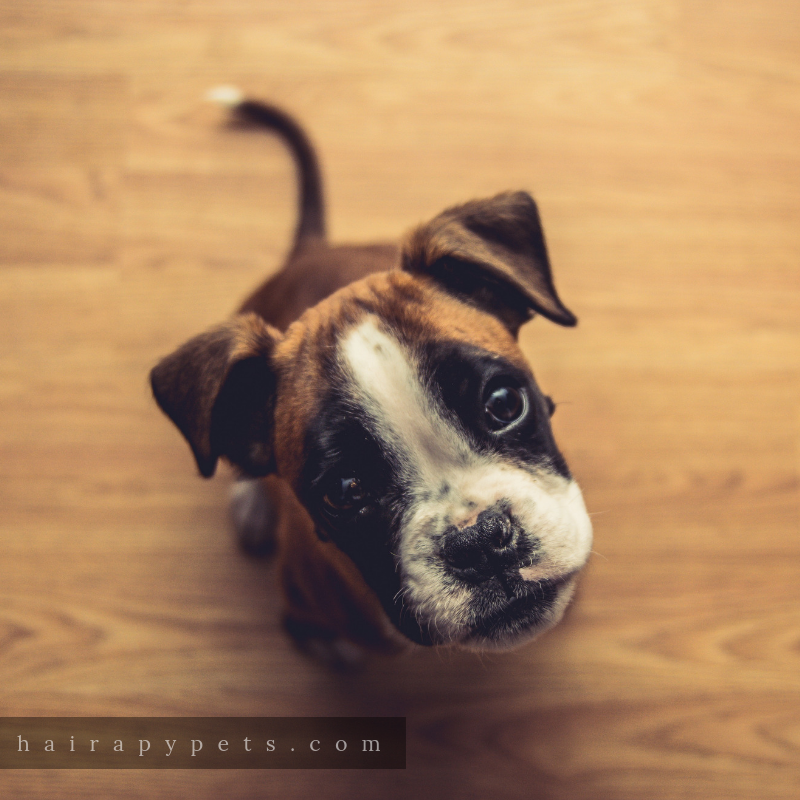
x=497 y=614
x=536 y=605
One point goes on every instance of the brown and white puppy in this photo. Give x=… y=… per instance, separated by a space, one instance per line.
x=398 y=449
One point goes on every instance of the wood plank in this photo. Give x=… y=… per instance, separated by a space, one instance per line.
x=660 y=139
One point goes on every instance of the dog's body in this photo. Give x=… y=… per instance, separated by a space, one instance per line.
x=399 y=451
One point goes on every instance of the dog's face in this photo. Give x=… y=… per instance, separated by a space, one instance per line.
x=404 y=415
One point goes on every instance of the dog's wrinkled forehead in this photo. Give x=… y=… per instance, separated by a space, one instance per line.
x=368 y=341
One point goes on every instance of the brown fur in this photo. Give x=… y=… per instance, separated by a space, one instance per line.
x=322 y=589
x=321 y=586
x=188 y=383
x=472 y=274
x=313 y=273
x=502 y=238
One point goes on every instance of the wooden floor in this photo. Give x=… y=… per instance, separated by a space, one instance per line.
x=661 y=139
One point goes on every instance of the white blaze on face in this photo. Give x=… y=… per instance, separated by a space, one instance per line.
x=449 y=483
x=387 y=384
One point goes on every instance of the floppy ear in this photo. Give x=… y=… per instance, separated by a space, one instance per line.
x=219 y=389
x=491 y=253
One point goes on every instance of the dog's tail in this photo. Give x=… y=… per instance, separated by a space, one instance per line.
x=311 y=220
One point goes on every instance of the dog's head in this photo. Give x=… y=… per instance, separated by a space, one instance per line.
x=404 y=415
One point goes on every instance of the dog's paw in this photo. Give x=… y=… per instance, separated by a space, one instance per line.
x=334 y=652
x=253 y=517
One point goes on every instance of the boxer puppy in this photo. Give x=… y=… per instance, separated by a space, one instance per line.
x=393 y=443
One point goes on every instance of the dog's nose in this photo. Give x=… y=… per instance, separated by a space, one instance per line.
x=483 y=549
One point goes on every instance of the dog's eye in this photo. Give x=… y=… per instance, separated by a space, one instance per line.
x=503 y=405
x=345 y=494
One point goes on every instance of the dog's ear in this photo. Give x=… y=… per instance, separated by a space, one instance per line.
x=491 y=253
x=219 y=389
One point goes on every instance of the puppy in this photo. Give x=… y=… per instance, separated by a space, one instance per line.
x=394 y=446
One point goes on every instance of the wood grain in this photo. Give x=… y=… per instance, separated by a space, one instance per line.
x=660 y=138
